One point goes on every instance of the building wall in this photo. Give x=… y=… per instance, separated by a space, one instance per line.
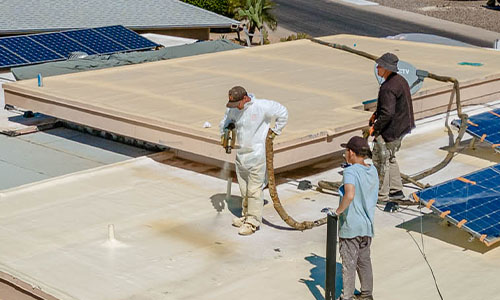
x=192 y=33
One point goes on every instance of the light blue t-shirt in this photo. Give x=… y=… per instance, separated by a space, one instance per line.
x=357 y=219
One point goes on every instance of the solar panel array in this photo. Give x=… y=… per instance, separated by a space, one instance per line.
x=485 y=126
x=471 y=202
x=46 y=47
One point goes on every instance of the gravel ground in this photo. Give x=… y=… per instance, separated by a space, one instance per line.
x=465 y=12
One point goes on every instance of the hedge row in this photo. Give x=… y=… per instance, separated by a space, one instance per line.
x=220 y=7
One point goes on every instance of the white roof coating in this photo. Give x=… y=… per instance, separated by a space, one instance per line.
x=30 y=16
x=174 y=239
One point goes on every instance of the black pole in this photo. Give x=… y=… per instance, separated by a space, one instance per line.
x=331 y=256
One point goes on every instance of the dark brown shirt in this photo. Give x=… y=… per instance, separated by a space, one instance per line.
x=394 y=114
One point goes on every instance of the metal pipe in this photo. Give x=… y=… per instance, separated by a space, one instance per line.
x=331 y=256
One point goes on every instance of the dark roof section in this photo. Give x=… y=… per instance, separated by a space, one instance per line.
x=95 y=62
x=20 y=17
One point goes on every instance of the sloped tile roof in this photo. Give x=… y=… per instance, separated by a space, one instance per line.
x=45 y=15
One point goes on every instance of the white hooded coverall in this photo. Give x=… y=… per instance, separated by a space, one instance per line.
x=252 y=124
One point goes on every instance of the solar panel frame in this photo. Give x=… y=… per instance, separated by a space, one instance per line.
x=11 y=59
x=486 y=124
x=471 y=202
x=70 y=45
x=13 y=53
x=29 y=49
x=128 y=38
x=89 y=38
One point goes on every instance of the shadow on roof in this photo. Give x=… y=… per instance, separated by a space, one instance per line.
x=435 y=227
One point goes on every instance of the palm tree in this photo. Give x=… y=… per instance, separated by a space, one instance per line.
x=257 y=13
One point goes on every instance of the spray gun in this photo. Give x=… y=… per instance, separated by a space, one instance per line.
x=229 y=139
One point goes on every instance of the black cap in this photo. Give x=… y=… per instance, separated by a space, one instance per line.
x=236 y=94
x=359 y=145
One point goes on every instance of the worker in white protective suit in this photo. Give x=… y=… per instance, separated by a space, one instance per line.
x=252 y=118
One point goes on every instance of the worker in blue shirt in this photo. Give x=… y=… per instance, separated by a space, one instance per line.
x=359 y=194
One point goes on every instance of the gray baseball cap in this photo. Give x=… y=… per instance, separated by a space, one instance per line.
x=388 y=61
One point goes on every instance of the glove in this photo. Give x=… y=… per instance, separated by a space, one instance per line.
x=372 y=120
x=365 y=132
x=273 y=135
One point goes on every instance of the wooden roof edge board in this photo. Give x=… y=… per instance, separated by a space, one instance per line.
x=463 y=84
x=130 y=118
x=320 y=136
x=297 y=150
x=24 y=287
x=199 y=134
x=188 y=132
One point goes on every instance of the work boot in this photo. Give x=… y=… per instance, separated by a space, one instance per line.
x=362 y=297
x=398 y=195
x=247 y=229
x=329 y=185
x=237 y=222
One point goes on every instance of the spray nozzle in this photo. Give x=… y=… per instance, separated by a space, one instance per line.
x=229 y=137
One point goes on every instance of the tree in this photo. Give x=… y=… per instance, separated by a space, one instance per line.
x=256 y=13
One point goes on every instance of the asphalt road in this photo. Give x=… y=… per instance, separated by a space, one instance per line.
x=323 y=17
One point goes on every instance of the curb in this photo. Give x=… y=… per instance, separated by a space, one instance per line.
x=485 y=37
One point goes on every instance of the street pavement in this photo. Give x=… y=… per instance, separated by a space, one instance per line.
x=330 y=17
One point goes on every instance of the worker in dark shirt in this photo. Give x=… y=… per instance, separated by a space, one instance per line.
x=392 y=120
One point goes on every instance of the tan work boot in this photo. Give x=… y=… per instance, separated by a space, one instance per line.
x=247 y=229
x=237 y=222
x=362 y=297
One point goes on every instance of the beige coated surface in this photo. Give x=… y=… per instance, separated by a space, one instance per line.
x=319 y=85
x=439 y=59
x=174 y=239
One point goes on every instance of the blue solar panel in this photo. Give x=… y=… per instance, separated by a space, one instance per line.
x=126 y=37
x=60 y=43
x=29 y=49
x=9 y=59
x=485 y=126
x=36 y=48
x=471 y=202
x=95 y=41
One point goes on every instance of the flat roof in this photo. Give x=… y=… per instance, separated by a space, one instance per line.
x=168 y=102
x=38 y=16
x=174 y=239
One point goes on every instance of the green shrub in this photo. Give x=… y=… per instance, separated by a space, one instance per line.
x=293 y=37
x=220 y=7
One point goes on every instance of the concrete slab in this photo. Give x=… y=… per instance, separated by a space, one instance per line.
x=168 y=102
x=174 y=239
